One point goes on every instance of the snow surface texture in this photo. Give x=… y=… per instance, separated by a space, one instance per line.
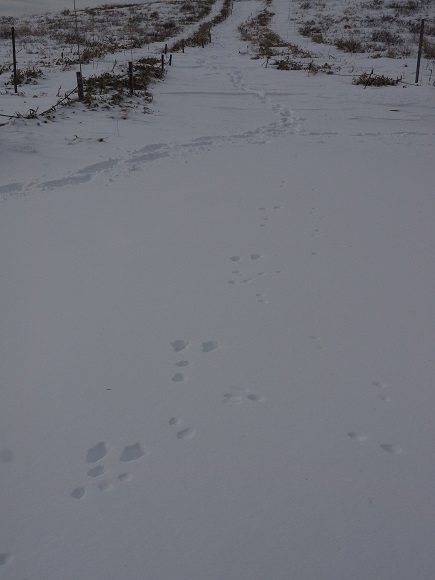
x=222 y=317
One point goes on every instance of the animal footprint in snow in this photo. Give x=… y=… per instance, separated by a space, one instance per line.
x=209 y=345
x=390 y=448
x=99 y=451
x=179 y=345
x=238 y=395
x=132 y=452
x=78 y=492
x=178 y=378
x=357 y=436
x=105 y=486
x=261 y=298
x=232 y=398
x=4 y=558
x=379 y=385
x=252 y=257
x=384 y=398
x=186 y=433
x=174 y=421
x=96 y=471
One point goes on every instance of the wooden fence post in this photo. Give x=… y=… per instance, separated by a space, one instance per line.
x=166 y=49
x=163 y=63
x=170 y=60
x=420 y=46
x=14 y=56
x=80 y=85
x=182 y=45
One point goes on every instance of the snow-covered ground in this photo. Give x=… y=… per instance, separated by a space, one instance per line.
x=217 y=329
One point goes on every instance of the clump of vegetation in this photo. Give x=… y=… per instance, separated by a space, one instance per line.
x=372 y=80
x=113 y=89
x=311 y=67
x=309 y=29
x=349 y=44
x=429 y=49
x=28 y=76
x=287 y=64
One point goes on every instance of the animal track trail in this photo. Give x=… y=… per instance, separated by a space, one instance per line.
x=240 y=278
x=390 y=448
x=132 y=160
x=96 y=454
x=236 y=79
x=287 y=118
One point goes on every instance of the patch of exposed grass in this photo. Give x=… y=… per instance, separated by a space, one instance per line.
x=371 y=80
x=386 y=27
x=256 y=30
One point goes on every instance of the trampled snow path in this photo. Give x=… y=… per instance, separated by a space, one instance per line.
x=217 y=332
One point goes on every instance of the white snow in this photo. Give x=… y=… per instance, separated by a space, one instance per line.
x=217 y=329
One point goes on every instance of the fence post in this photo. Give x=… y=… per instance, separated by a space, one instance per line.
x=182 y=45
x=170 y=60
x=166 y=49
x=420 y=46
x=14 y=56
x=130 y=77
x=80 y=85
x=163 y=63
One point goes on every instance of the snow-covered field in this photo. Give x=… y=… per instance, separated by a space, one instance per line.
x=217 y=326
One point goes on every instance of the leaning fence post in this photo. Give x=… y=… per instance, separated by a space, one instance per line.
x=130 y=77
x=14 y=56
x=420 y=46
x=80 y=85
